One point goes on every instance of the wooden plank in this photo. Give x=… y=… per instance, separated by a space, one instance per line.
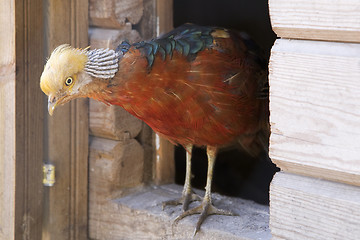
x=7 y=120
x=308 y=208
x=315 y=108
x=140 y=216
x=29 y=120
x=323 y=20
x=164 y=164
x=21 y=121
x=114 y=166
x=112 y=122
x=67 y=133
x=164 y=9
x=115 y=13
x=111 y=38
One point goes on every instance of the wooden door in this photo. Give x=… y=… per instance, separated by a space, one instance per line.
x=66 y=132
x=28 y=137
x=21 y=120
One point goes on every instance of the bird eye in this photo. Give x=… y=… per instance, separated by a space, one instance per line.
x=68 y=81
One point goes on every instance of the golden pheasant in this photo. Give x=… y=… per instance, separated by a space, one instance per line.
x=196 y=85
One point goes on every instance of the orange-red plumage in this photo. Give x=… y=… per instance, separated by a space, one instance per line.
x=209 y=100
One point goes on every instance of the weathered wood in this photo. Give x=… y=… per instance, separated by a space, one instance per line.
x=315 y=109
x=145 y=138
x=164 y=9
x=29 y=120
x=114 y=166
x=7 y=121
x=147 y=25
x=308 y=208
x=112 y=122
x=140 y=216
x=164 y=164
x=111 y=38
x=115 y=13
x=307 y=19
x=67 y=133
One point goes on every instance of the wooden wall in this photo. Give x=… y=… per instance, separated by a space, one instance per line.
x=121 y=146
x=66 y=138
x=21 y=142
x=7 y=121
x=315 y=115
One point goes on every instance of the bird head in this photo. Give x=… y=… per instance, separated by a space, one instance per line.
x=64 y=75
x=69 y=72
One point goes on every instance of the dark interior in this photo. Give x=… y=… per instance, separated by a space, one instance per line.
x=236 y=173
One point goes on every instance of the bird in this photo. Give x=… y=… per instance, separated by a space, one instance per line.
x=195 y=86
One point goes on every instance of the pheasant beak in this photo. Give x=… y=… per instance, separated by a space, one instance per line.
x=52 y=103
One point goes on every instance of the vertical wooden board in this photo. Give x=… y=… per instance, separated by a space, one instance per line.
x=7 y=120
x=307 y=19
x=164 y=164
x=165 y=21
x=29 y=120
x=308 y=208
x=20 y=121
x=315 y=108
x=67 y=133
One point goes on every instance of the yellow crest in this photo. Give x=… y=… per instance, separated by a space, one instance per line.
x=65 y=61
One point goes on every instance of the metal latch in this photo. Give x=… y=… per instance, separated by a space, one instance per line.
x=49 y=174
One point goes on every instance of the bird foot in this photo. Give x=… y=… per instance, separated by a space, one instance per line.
x=204 y=209
x=184 y=200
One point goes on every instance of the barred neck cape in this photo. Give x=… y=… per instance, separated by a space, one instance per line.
x=102 y=63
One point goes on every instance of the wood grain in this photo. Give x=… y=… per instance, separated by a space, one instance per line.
x=315 y=108
x=114 y=166
x=115 y=13
x=29 y=120
x=164 y=164
x=21 y=122
x=140 y=216
x=164 y=9
x=111 y=38
x=112 y=122
x=66 y=142
x=7 y=121
x=147 y=25
x=308 y=208
x=337 y=20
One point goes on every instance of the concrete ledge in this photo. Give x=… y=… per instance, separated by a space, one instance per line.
x=140 y=216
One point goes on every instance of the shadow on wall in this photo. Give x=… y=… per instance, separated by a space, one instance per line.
x=236 y=173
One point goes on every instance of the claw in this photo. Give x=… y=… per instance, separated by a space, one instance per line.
x=185 y=200
x=204 y=209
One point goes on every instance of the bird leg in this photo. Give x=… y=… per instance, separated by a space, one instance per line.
x=206 y=208
x=188 y=195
